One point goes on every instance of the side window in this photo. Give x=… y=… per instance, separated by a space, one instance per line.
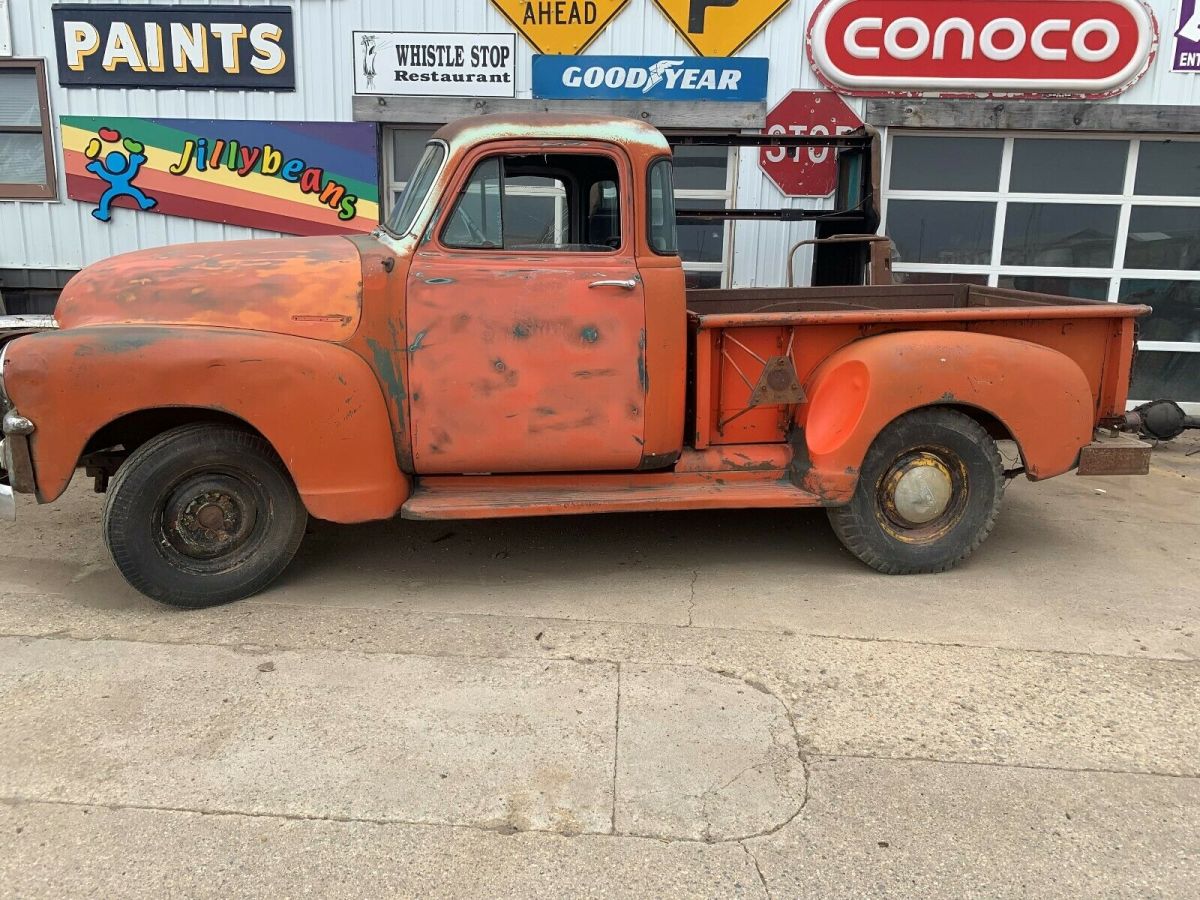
x=476 y=221
x=661 y=209
x=552 y=202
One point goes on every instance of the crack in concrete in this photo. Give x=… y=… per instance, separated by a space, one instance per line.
x=692 y=596
x=577 y=623
x=616 y=752
x=762 y=878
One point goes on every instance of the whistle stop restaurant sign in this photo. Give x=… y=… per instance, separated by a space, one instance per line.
x=648 y=78
x=196 y=47
x=1022 y=48
x=719 y=27
x=291 y=177
x=560 y=26
x=435 y=64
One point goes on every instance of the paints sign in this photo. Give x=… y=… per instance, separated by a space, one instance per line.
x=290 y=177
x=648 y=78
x=1079 y=48
x=560 y=26
x=151 y=46
x=1186 y=57
x=806 y=171
x=435 y=64
x=719 y=27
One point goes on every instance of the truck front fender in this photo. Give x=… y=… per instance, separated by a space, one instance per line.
x=318 y=404
x=1040 y=396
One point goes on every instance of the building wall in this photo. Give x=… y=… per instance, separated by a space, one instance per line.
x=62 y=235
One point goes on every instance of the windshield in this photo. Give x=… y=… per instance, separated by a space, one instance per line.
x=401 y=219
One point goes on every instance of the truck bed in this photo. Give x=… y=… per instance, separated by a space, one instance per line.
x=735 y=335
x=877 y=299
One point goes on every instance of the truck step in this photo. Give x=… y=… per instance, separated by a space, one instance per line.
x=505 y=496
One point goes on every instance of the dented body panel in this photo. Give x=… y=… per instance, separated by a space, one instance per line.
x=318 y=404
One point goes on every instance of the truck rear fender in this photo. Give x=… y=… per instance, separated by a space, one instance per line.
x=318 y=404
x=1038 y=396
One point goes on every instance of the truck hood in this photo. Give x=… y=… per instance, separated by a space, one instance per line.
x=310 y=287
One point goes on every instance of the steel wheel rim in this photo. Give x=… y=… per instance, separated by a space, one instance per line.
x=922 y=495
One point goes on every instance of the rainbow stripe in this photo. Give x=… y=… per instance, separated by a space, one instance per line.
x=343 y=152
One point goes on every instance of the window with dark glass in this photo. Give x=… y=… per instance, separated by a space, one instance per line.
x=544 y=202
x=26 y=142
x=662 y=231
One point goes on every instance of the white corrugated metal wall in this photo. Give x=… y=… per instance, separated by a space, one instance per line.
x=62 y=234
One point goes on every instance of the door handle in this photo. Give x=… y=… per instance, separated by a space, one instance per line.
x=629 y=284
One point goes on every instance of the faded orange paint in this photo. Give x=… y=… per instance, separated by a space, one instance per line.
x=309 y=287
x=385 y=368
x=318 y=404
x=1040 y=395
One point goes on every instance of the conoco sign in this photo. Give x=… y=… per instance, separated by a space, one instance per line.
x=970 y=48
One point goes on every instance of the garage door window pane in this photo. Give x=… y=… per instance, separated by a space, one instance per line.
x=1176 y=315
x=1160 y=374
x=700 y=168
x=945 y=163
x=1060 y=166
x=939 y=278
x=1163 y=237
x=1083 y=288
x=1059 y=234
x=700 y=241
x=948 y=233
x=1168 y=168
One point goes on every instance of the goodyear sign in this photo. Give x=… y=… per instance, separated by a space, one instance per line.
x=560 y=26
x=719 y=27
x=648 y=78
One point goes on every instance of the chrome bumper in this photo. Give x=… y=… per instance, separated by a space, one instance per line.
x=8 y=504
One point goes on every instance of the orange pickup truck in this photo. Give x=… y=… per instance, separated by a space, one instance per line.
x=517 y=340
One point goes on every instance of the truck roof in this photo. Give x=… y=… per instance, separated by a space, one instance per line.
x=477 y=129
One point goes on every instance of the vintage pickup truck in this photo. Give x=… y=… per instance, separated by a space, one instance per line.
x=517 y=340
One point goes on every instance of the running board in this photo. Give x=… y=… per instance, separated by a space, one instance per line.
x=507 y=496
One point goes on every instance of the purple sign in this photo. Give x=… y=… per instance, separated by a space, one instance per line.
x=1187 y=38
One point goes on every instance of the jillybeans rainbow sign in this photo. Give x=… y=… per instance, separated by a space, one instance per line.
x=290 y=177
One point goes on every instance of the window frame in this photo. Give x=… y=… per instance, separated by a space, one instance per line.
x=49 y=189
x=504 y=149
x=1125 y=201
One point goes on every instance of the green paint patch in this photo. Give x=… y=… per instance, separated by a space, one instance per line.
x=590 y=334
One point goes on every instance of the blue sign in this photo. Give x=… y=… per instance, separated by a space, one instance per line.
x=649 y=78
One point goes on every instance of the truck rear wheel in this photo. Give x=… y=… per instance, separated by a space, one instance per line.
x=927 y=496
x=203 y=515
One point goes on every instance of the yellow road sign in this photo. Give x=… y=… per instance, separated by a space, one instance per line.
x=720 y=27
x=560 y=26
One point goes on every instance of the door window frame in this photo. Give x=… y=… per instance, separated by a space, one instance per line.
x=506 y=148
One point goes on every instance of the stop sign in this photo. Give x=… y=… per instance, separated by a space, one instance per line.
x=806 y=171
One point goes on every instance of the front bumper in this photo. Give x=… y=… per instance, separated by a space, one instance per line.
x=17 y=463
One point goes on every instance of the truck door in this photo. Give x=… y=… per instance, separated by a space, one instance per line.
x=526 y=316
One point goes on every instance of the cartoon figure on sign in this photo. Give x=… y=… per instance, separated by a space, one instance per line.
x=118 y=170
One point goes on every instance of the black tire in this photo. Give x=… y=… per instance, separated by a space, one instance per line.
x=958 y=459
x=203 y=515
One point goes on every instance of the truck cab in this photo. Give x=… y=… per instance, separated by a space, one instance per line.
x=517 y=339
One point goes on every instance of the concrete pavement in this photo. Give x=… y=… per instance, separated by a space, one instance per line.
x=708 y=704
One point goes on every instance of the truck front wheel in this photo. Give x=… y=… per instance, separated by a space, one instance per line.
x=928 y=494
x=203 y=515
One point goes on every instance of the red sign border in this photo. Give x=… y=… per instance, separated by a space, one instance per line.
x=982 y=92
